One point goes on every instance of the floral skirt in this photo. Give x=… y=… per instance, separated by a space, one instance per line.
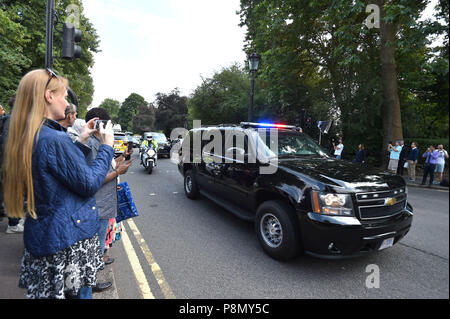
x=64 y=273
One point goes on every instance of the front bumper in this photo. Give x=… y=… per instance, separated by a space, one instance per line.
x=343 y=237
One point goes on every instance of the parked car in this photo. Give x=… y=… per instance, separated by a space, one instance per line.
x=137 y=140
x=163 y=144
x=121 y=144
x=311 y=202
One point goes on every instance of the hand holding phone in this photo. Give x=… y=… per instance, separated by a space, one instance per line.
x=97 y=124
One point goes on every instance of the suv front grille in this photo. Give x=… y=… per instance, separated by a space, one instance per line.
x=381 y=204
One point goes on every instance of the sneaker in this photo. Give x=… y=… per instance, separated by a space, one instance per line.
x=436 y=183
x=14 y=229
x=22 y=221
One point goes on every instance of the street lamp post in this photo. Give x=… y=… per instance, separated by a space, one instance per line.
x=253 y=63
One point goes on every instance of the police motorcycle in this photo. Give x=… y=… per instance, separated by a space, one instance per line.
x=148 y=153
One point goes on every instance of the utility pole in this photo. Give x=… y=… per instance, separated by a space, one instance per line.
x=70 y=49
x=49 y=34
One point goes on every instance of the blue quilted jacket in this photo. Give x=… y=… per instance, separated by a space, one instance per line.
x=64 y=189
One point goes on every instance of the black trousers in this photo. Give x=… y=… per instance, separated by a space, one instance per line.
x=11 y=221
x=428 y=169
x=400 y=167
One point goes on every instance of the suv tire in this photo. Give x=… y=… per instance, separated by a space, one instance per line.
x=277 y=230
x=190 y=185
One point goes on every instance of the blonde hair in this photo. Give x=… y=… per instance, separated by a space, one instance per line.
x=27 y=118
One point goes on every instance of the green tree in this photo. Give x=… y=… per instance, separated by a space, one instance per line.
x=171 y=111
x=12 y=58
x=129 y=109
x=320 y=56
x=31 y=16
x=112 y=106
x=144 y=120
x=224 y=98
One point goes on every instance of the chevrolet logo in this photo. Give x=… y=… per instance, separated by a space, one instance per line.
x=390 y=201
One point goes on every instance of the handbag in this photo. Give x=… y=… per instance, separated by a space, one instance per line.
x=127 y=208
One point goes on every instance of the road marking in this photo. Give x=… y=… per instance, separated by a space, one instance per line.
x=165 y=288
x=136 y=266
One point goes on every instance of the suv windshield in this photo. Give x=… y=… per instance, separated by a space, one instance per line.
x=289 y=144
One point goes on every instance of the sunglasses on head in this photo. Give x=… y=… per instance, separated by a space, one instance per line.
x=51 y=74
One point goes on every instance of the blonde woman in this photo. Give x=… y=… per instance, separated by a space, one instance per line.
x=62 y=253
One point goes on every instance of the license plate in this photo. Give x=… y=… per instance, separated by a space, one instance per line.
x=387 y=243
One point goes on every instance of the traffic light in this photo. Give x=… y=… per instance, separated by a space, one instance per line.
x=71 y=36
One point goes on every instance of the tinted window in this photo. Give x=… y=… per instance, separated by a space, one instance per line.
x=290 y=144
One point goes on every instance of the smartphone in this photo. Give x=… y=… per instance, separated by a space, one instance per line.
x=97 y=124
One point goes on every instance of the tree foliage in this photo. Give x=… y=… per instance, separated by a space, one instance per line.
x=130 y=107
x=22 y=47
x=112 y=106
x=224 y=98
x=144 y=120
x=171 y=111
x=319 y=55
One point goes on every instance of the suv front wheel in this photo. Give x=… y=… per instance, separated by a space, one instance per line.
x=277 y=230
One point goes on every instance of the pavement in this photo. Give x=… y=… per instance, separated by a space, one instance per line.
x=11 y=251
x=418 y=181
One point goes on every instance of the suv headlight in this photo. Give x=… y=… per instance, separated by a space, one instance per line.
x=332 y=204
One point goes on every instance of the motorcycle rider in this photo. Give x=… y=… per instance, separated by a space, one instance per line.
x=149 y=141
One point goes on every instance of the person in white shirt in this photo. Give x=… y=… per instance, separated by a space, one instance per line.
x=440 y=164
x=338 y=149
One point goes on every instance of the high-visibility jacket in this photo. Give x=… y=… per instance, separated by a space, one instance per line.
x=154 y=144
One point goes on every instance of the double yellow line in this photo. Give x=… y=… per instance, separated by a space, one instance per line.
x=137 y=268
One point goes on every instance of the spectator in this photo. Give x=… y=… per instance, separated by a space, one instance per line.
x=62 y=253
x=76 y=129
x=431 y=156
x=404 y=153
x=440 y=164
x=394 y=156
x=330 y=146
x=107 y=195
x=338 y=149
x=360 y=155
x=70 y=116
x=69 y=122
x=15 y=225
x=412 y=161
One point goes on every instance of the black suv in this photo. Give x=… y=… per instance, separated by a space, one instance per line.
x=299 y=197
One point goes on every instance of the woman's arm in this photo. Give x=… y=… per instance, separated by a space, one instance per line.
x=67 y=163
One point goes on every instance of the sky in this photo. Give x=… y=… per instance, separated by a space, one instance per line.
x=154 y=46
